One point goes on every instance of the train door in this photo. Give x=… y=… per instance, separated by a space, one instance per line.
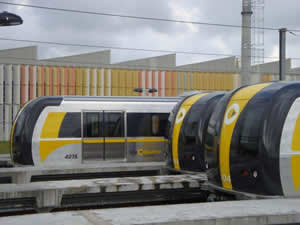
x=93 y=135
x=114 y=135
x=103 y=135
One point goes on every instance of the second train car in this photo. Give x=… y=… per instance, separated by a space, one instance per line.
x=188 y=125
x=50 y=131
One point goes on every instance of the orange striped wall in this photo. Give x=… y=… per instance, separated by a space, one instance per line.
x=56 y=80
x=38 y=80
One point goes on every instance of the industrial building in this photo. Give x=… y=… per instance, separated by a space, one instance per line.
x=23 y=77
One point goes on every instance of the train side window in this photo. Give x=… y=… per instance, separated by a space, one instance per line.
x=160 y=124
x=71 y=126
x=250 y=129
x=138 y=124
x=114 y=124
x=93 y=122
x=147 y=124
x=155 y=124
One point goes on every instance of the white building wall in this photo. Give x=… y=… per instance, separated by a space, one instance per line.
x=34 y=72
x=16 y=98
x=1 y=103
x=163 y=81
x=7 y=101
x=26 y=84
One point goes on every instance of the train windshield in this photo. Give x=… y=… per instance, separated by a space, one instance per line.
x=188 y=140
x=250 y=124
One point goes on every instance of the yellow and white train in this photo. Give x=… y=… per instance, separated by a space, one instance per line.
x=248 y=140
x=51 y=131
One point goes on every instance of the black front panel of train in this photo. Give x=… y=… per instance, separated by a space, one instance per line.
x=24 y=127
x=193 y=133
x=254 y=154
x=246 y=170
x=190 y=154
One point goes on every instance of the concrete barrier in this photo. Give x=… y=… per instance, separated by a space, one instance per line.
x=251 y=212
x=23 y=175
x=49 y=194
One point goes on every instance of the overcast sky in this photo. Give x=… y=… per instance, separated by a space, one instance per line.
x=55 y=26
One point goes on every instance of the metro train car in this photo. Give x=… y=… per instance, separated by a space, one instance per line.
x=188 y=125
x=253 y=140
x=72 y=130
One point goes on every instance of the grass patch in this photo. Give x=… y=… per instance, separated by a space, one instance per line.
x=4 y=147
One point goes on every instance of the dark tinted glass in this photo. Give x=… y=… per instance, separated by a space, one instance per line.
x=138 y=124
x=250 y=128
x=114 y=124
x=215 y=123
x=147 y=124
x=93 y=124
x=190 y=126
x=160 y=124
x=71 y=126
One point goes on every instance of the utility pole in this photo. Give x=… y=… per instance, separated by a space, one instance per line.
x=282 y=48
x=246 y=43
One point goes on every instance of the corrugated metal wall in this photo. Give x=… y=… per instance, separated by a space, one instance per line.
x=20 y=83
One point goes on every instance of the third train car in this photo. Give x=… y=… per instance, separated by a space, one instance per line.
x=253 y=142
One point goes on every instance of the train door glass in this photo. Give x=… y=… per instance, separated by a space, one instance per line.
x=93 y=138
x=103 y=135
x=114 y=132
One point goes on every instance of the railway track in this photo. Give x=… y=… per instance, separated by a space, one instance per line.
x=21 y=206
x=27 y=174
x=106 y=192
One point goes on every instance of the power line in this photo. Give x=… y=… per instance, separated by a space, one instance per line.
x=126 y=48
x=116 y=48
x=132 y=49
x=141 y=17
x=65 y=63
x=45 y=63
x=104 y=64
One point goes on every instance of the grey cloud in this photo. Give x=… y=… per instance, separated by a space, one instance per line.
x=111 y=31
x=83 y=22
x=282 y=14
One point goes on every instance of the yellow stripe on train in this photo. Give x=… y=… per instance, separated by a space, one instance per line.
x=185 y=107
x=49 y=146
x=295 y=159
x=235 y=106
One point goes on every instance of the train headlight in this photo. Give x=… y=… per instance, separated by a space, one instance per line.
x=255 y=174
